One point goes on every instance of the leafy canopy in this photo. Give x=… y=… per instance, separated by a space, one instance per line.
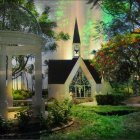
x=119 y=56
x=20 y=22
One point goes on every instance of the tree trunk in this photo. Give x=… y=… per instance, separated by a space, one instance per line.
x=22 y=81
x=17 y=82
x=26 y=80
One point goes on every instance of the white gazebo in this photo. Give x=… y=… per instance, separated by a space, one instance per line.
x=22 y=39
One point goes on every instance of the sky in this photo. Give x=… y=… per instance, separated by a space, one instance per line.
x=64 y=12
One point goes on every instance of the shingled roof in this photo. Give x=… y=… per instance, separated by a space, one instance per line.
x=59 y=70
x=93 y=71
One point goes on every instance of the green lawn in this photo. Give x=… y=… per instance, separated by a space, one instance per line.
x=89 y=125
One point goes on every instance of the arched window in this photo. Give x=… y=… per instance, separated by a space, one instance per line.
x=80 y=86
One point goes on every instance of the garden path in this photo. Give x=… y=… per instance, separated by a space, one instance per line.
x=89 y=104
x=133 y=101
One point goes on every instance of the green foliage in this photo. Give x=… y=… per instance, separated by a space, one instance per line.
x=63 y=36
x=6 y=126
x=23 y=120
x=18 y=97
x=14 y=14
x=21 y=94
x=21 y=15
x=94 y=126
x=47 y=122
x=131 y=126
x=19 y=2
x=58 y=114
x=119 y=57
x=31 y=6
x=124 y=16
x=60 y=111
x=116 y=8
x=105 y=108
x=110 y=99
x=3 y=125
x=47 y=26
x=126 y=91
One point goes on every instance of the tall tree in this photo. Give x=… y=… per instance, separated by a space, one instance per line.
x=119 y=56
x=21 y=15
x=125 y=15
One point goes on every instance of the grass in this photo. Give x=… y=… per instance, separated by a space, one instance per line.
x=98 y=127
x=105 y=108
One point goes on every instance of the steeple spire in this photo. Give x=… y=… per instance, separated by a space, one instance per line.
x=76 y=37
x=76 y=41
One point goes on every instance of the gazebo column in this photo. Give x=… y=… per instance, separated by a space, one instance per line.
x=38 y=104
x=3 y=101
x=9 y=82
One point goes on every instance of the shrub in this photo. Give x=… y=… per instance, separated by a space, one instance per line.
x=123 y=88
x=60 y=111
x=109 y=99
x=46 y=123
x=5 y=126
x=17 y=97
x=27 y=122
x=127 y=90
x=21 y=94
x=2 y=125
x=23 y=120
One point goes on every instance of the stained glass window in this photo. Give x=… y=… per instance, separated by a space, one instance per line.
x=80 y=86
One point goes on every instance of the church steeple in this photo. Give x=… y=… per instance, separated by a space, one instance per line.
x=76 y=37
x=76 y=41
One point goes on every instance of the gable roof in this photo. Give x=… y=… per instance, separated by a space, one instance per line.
x=93 y=71
x=59 y=70
x=76 y=36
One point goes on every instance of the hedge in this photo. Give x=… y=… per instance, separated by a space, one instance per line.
x=109 y=99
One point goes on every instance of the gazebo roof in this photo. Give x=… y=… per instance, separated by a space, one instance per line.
x=18 y=18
